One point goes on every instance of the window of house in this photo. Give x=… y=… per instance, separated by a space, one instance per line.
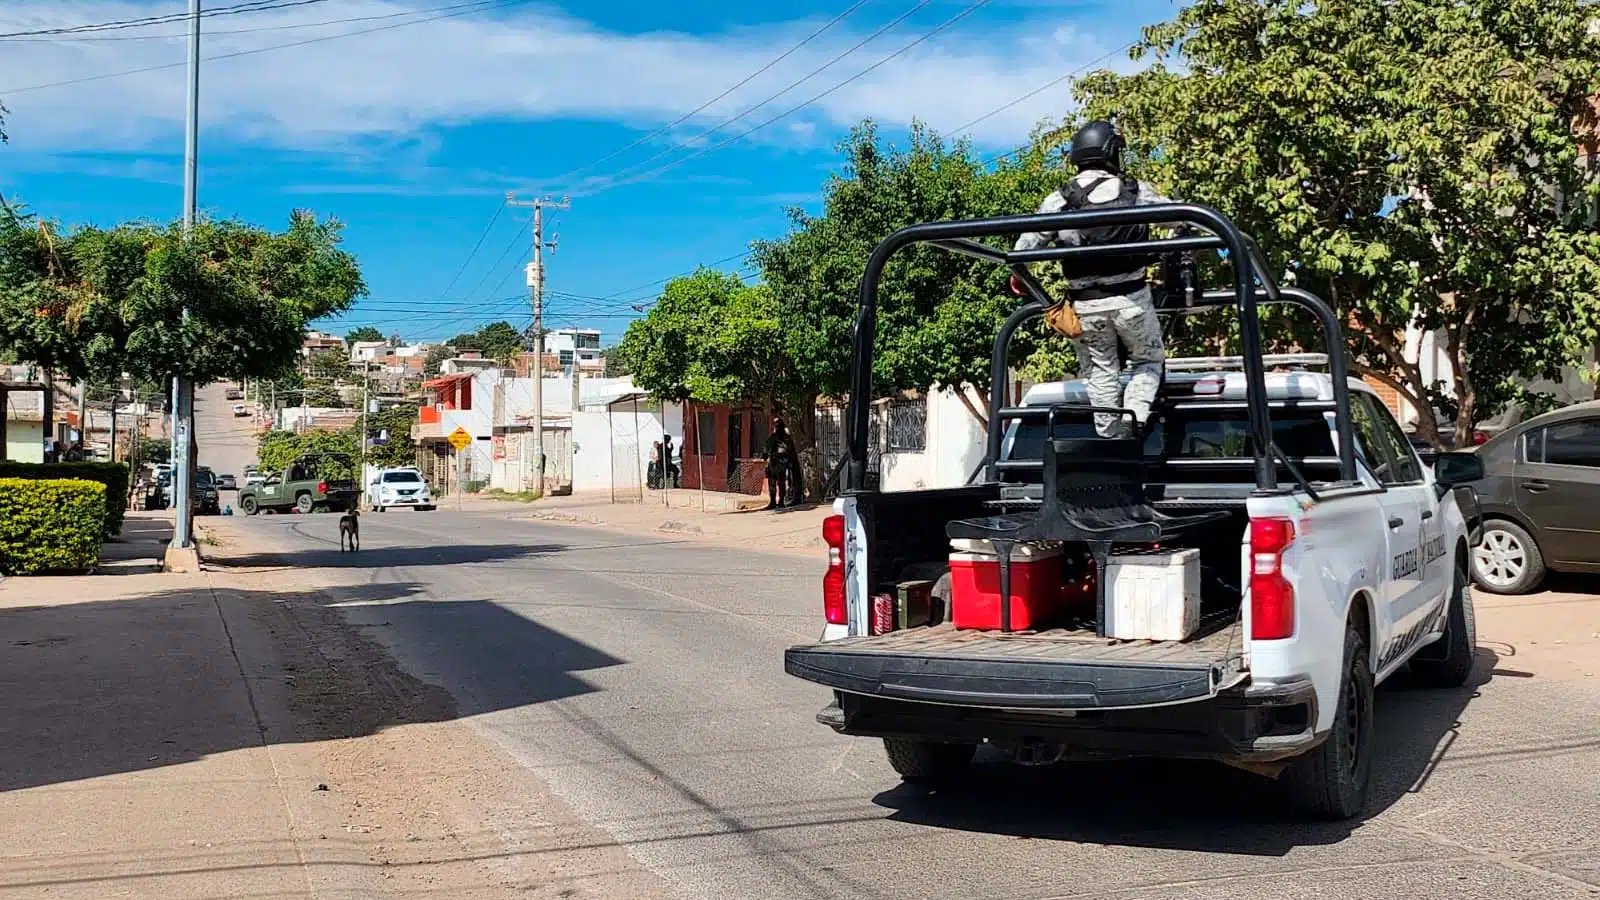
x=566 y=358
x=705 y=434
x=908 y=425
x=1567 y=444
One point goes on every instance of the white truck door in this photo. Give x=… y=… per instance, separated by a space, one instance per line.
x=1411 y=514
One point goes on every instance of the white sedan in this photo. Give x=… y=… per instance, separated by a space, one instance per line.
x=399 y=487
x=239 y=409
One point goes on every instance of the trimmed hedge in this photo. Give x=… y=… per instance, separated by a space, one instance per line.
x=50 y=525
x=113 y=475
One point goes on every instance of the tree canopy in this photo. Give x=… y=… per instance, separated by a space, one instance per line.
x=93 y=303
x=363 y=334
x=937 y=312
x=712 y=339
x=1412 y=162
x=496 y=340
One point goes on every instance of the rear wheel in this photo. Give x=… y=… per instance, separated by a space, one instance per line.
x=1450 y=662
x=928 y=760
x=304 y=503
x=248 y=504
x=1331 y=782
x=1506 y=560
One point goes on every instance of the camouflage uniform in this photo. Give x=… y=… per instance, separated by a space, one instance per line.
x=1129 y=319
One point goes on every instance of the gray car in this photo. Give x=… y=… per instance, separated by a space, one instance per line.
x=1541 y=500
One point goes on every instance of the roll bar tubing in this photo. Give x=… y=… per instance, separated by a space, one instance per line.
x=1252 y=284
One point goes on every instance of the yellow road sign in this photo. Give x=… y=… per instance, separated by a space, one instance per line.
x=459 y=439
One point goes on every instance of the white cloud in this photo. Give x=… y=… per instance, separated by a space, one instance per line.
x=535 y=64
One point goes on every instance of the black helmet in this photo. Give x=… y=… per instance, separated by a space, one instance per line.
x=1097 y=145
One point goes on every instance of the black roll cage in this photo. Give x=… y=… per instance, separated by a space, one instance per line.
x=1253 y=285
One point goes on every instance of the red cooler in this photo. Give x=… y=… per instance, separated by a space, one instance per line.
x=1036 y=595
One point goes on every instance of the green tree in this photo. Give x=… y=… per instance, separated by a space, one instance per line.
x=95 y=303
x=366 y=333
x=328 y=365
x=937 y=312
x=498 y=341
x=276 y=450
x=392 y=426
x=713 y=339
x=436 y=357
x=154 y=450
x=1413 y=162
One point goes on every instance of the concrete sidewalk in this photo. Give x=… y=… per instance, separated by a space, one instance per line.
x=228 y=735
x=727 y=519
x=141 y=545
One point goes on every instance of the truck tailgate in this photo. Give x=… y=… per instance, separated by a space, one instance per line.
x=1057 y=669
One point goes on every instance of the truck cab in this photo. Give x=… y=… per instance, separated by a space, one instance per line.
x=1328 y=558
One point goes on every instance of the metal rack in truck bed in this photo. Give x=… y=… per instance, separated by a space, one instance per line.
x=1231 y=584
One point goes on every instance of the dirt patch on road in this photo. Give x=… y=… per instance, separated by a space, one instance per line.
x=407 y=798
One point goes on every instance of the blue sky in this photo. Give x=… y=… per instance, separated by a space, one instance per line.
x=412 y=134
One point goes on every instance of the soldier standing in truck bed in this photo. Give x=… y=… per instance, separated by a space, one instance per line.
x=1108 y=300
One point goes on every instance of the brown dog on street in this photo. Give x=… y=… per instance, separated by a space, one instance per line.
x=350 y=530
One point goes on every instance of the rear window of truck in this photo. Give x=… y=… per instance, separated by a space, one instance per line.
x=1198 y=433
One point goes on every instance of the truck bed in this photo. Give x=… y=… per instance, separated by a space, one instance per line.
x=1059 y=668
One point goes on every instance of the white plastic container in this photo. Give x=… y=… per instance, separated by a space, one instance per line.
x=1020 y=552
x=1153 y=595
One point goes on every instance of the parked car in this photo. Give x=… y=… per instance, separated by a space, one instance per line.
x=402 y=486
x=239 y=409
x=235 y=394
x=1541 y=500
x=227 y=483
x=207 y=502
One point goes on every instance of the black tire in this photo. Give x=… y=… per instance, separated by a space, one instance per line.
x=928 y=760
x=248 y=504
x=1495 y=561
x=1449 y=664
x=1332 y=781
x=304 y=503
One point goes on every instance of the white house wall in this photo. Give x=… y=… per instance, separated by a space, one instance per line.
x=953 y=447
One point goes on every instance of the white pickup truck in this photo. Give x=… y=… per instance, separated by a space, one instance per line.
x=1311 y=593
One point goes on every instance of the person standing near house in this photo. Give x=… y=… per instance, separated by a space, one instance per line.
x=780 y=461
x=669 y=469
x=1108 y=304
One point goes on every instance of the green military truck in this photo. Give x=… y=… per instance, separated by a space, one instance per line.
x=315 y=481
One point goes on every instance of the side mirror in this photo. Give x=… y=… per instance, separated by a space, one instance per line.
x=1451 y=469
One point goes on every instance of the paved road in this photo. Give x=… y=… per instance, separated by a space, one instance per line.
x=642 y=680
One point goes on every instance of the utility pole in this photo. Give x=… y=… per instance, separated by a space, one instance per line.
x=362 y=447
x=536 y=288
x=181 y=555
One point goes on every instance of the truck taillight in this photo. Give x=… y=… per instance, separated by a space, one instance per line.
x=1271 y=594
x=322 y=487
x=833 y=595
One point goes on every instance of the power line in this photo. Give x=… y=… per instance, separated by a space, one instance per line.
x=473 y=255
x=704 y=106
x=1042 y=88
x=659 y=170
x=792 y=85
x=488 y=5
x=260 y=28
x=146 y=21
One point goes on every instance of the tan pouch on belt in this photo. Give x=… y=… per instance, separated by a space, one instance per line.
x=1063 y=319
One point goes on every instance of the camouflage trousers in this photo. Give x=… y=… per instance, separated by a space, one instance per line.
x=1129 y=321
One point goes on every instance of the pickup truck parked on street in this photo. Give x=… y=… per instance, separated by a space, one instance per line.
x=312 y=482
x=1324 y=556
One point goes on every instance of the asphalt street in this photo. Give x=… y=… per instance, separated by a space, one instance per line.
x=642 y=680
